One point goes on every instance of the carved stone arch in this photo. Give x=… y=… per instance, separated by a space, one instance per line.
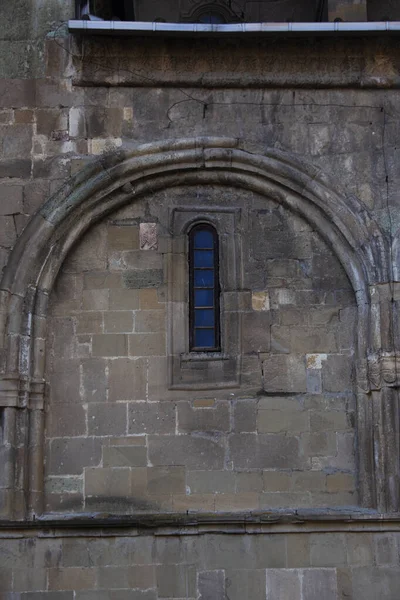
x=117 y=179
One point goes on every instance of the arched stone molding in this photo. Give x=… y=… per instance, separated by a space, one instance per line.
x=120 y=177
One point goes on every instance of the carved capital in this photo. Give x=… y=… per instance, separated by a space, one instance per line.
x=384 y=370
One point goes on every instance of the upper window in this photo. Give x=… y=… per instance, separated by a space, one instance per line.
x=204 y=289
x=211 y=18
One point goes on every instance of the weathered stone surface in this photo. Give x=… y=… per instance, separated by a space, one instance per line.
x=211 y=585
x=151 y=417
x=143 y=279
x=195 y=452
x=70 y=455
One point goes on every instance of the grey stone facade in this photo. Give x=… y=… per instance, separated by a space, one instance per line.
x=131 y=467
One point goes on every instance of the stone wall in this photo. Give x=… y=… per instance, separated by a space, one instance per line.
x=212 y=566
x=130 y=468
x=282 y=436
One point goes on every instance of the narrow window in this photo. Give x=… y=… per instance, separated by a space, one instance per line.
x=203 y=289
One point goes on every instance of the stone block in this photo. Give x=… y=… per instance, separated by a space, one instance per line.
x=117 y=595
x=359 y=549
x=260 y=301
x=256 y=332
x=193 y=502
x=302 y=340
x=373 y=582
x=298 y=551
x=337 y=373
x=309 y=481
x=91 y=252
x=23 y=116
x=66 y=420
x=245 y=584
x=131 y=578
x=329 y=420
x=8 y=233
x=279 y=421
x=211 y=585
x=328 y=550
x=251 y=481
x=107 y=419
x=108 y=483
x=151 y=417
x=147 y=278
x=385 y=549
x=169 y=550
x=148 y=299
x=242 y=502
x=95 y=300
x=147 y=344
x=118 y=322
x=102 y=280
x=70 y=455
x=166 y=480
x=17 y=141
x=283 y=583
x=125 y=456
x=111 y=344
x=150 y=321
x=71 y=578
x=194 y=452
x=15 y=167
x=42 y=596
x=6 y=579
x=127 y=379
x=64 y=485
x=320 y=444
x=284 y=500
x=64 y=382
x=319 y=583
x=175 y=581
x=284 y=373
x=123 y=238
x=10 y=199
x=245 y=416
x=103 y=122
x=94 y=380
x=314 y=381
x=50 y=120
x=340 y=482
x=123 y=299
x=89 y=322
x=250 y=451
x=203 y=419
x=138 y=260
x=211 y=482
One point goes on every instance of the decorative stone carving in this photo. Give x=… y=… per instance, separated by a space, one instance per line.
x=384 y=371
x=148 y=236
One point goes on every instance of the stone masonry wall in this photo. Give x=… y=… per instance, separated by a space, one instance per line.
x=118 y=439
x=291 y=566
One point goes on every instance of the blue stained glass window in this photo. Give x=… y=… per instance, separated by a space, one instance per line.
x=204 y=317
x=204 y=338
x=204 y=278
x=204 y=239
x=203 y=298
x=204 y=258
x=204 y=289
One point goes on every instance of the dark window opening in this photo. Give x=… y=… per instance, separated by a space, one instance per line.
x=210 y=18
x=204 y=310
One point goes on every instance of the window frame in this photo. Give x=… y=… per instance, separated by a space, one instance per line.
x=216 y=289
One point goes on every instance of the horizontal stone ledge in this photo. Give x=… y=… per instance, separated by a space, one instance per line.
x=279 y=522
